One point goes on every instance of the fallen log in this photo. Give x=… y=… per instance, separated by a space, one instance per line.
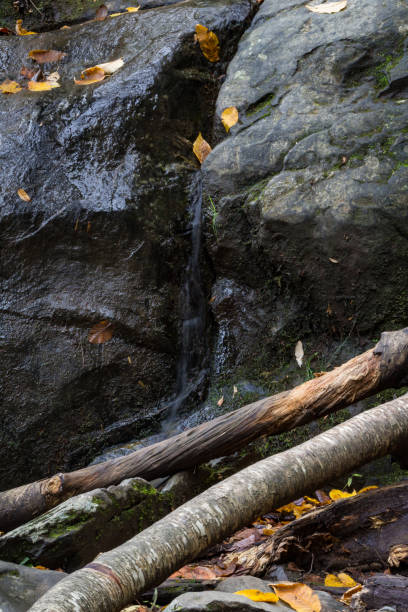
x=381 y=590
x=115 y=578
x=368 y=532
x=384 y=366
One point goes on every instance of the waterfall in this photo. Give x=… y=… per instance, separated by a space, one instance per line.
x=190 y=368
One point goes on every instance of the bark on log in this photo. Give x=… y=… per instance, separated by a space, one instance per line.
x=366 y=532
x=115 y=578
x=386 y=365
x=381 y=590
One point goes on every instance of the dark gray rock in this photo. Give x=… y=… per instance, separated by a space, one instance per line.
x=73 y=533
x=311 y=186
x=221 y=602
x=329 y=604
x=21 y=586
x=110 y=170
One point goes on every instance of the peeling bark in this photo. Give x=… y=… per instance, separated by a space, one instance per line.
x=118 y=576
x=381 y=367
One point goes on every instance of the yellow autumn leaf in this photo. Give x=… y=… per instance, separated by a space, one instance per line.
x=21 y=31
x=42 y=85
x=256 y=595
x=366 y=489
x=201 y=148
x=9 y=87
x=91 y=75
x=23 y=195
x=337 y=494
x=295 y=509
x=229 y=117
x=209 y=43
x=132 y=9
x=327 y=7
x=298 y=596
x=341 y=580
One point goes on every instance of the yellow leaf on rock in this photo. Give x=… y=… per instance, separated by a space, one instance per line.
x=256 y=595
x=367 y=489
x=341 y=580
x=298 y=596
x=21 y=31
x=9 y=87
x=116 y=14
x=43 y=56
x=337 y=494
x=201 y=148
x=23 y=195
x=327 y=7
x=132 y=9
x=229 y=117
x=91 y=75
x=209 y=43
x=42 y=85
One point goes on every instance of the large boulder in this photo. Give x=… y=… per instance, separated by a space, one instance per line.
x=110 y=171
x=21 y=586
x=309 y=192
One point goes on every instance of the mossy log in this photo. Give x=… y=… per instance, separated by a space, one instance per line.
x=384 y=366
x=116 y=578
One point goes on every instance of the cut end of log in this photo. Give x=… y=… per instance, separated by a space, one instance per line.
x=53 y=486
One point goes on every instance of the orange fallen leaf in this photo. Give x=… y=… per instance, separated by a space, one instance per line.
x=327 y=7
x=65 y=27
x=91 y=75
x=27 y=73
x=256 y=595
x=20 y=30
x=220 y=401
x=197 y=572
x=42 y=85
x=100 y=333
x=43 y=56
x=201 y=148
x=341 y=580
x=366 y=489
x=229 y=117
x=209 y=43
x=298 y=596
x=23 y=195
x=101 y=13
x=6 y=32
x=9 y=87
x=41 y=567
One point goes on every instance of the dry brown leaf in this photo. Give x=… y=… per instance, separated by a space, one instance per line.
x=53 y=77
x=23 y=195
x=6 y=32
x=9 y=87
x=397 y=553
x=111 y=67
x=229 y=117
x=43 y=56
x=209 y=43
x=256 y=595
x=101 y=13
x=341 y=580
x=220 y=401
x=42 y=85
x=299 y=354
x=327 y=7
x=195 y=572
x=91 y=75
x=336 y=261
x=349 y=594
x=27 y=73
x=21 y=31
x=298 y=596
x=201 y=148
x=101 y=332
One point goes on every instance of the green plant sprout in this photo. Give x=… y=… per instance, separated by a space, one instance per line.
x=350 y=480
x=214 y=215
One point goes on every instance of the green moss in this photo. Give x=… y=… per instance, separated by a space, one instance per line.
x=260 y=105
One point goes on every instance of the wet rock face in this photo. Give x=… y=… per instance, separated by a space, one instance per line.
x=109 y=170
x=311 y=186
